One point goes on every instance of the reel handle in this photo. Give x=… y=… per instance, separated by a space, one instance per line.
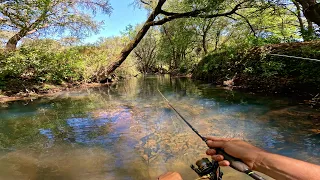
x=238 y=164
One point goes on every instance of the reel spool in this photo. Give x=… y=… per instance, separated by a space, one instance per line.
x=208 y=168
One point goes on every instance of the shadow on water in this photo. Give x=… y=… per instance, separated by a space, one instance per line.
x=126 y=131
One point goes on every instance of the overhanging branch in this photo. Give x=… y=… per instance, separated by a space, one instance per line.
x=196 y=13
x=166 y=13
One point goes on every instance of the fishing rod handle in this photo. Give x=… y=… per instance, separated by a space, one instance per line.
x=235 y=163
x=255 y=176
x=238 y=164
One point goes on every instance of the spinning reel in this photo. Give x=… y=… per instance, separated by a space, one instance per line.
x=212 y=169
x=208 y=168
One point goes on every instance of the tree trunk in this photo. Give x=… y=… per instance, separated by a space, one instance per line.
x=306 y=33
x=217 y=39
x=204 y=43
x=310 y=29
x=298 y=14
x=13 y=41
x=127 y=50
x=205 y=30
x=311 y=10
x=133 y=43
x=172 y=45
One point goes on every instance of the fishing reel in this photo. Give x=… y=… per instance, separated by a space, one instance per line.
x=208 y=169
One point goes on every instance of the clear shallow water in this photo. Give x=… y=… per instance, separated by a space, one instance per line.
x=126 y=131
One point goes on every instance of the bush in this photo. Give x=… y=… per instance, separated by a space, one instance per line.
x=47 y=61
x=257 y=70
x=42 y=61
x=261 y=41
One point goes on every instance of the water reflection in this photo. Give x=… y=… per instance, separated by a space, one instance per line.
x=126 y=131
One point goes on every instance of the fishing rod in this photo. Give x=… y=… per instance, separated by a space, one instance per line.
x=235 y=163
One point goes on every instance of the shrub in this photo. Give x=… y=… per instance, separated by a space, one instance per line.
x=257 y=69
x=47 y=61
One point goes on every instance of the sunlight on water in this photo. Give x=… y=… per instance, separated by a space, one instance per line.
x=126 y=131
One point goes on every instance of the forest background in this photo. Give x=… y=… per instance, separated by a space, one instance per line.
x=227 y=42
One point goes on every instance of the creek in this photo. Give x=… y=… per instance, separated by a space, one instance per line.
x=126 y=130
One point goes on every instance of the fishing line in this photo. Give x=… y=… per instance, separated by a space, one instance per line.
x=235 y=163
x=295 y=57
x=194 y=130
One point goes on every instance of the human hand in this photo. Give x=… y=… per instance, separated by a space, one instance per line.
x=248 y=153
x=170 y=176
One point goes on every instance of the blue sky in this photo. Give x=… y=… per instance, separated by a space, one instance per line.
x=122 y=15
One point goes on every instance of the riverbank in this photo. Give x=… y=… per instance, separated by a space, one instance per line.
x=256 y=70
x=31 y=92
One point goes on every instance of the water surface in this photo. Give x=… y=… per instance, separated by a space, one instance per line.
x=126 y=131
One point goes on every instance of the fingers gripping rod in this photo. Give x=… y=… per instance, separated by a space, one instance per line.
x=235 y=163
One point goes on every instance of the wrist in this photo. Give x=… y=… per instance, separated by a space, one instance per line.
x=258 y=164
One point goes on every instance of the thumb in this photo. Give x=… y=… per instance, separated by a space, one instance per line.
x=216 y=144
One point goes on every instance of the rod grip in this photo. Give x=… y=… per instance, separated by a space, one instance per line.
x=238 y=165
x=256 y=176
x=235 y=163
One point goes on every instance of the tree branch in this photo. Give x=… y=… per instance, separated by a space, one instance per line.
x=231 y=18
x=166 y=13
x=138 y=55
x=37 y=29
x=195 y=13
x=143 y=2
x=248 y=22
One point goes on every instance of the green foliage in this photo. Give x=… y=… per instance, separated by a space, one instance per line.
x=272 y=68
x=217 y=67
x=177 y=46
x=184 y=41
x=261 y=72
x=26 y=17
x=309 y=34
x=107 y=51
x=43 y=61
x=47 y=61
x=145 y=53
x=253 y=41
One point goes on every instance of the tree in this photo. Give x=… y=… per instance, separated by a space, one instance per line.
x=4 y=36
x=177 y=43
x=205 y=26
x=29 y=17
x=203 y=9
x=146 y=52
x=311 y=10
x=307 y=33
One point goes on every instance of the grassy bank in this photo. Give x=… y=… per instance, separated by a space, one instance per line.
x=254 y=69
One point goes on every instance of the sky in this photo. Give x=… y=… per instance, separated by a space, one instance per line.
x=122 y=15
